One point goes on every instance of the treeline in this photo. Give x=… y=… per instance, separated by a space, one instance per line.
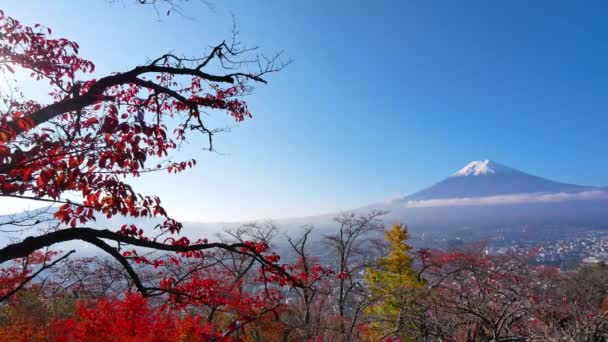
x=360 y=289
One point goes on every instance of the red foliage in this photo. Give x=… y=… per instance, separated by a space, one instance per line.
x=13 y=276
x=101 y=129
x=94 y=134
x=131 y=318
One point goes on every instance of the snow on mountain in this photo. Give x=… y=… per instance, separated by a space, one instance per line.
x=476 y=168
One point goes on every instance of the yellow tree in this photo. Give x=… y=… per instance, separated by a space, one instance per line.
x=392 y=284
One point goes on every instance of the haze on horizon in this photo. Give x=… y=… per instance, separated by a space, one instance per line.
x=383 y=98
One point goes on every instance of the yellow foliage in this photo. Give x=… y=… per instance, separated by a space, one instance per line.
x=392 y=284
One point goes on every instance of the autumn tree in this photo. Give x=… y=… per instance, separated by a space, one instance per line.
x=472 y=295
x=577 y=309
x=393 y=283
x=309 y=306
x=130 y=318
x=351 y=250
x=95 y=133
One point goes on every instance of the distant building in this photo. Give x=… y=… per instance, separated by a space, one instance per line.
x=591 y=260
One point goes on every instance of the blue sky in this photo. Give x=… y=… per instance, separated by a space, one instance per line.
x=383 y=97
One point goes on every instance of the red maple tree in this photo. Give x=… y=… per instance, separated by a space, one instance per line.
x=96 y=132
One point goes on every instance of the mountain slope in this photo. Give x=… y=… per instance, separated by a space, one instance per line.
x=483 y=178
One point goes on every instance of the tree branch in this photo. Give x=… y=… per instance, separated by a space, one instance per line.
x=28 y=279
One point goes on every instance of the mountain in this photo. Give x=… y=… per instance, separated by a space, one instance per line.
x=485 y=199
x=481 y=178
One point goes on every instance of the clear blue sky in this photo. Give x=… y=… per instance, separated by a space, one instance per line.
x=383 y=97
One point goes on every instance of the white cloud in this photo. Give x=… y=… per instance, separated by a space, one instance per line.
x=511 y=199
x=394 y=198
x=9 y=205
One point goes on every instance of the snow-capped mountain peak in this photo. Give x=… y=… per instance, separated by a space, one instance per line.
x=477 y=167
x=483 y=178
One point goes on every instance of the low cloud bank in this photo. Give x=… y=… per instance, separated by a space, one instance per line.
x=590 y=195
